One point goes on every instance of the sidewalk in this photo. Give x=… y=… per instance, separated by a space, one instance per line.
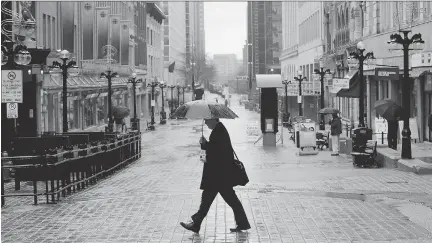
x=420 y=164
x=289 y=198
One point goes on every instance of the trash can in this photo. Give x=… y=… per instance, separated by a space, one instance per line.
x=360 y=136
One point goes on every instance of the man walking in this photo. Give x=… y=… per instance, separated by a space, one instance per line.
x=336 y=130
x=218 y=178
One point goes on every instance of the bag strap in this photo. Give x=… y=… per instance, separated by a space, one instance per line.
x=235 y=154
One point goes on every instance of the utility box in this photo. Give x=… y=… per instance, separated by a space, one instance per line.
x=268 y=83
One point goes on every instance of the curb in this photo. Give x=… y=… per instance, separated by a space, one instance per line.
x=387 y=158
x=414 y=165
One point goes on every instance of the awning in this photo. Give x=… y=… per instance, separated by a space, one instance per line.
x=354 y=86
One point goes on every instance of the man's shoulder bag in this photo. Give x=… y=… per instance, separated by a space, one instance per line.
x=239 y=172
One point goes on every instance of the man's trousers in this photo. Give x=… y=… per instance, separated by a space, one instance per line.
x=230 y=198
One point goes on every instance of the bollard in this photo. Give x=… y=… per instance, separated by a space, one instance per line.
x=382 y=137
x=298 y=139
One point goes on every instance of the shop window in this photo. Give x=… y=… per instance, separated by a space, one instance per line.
x=72 y=119
x=89 y=113
x=101 y=111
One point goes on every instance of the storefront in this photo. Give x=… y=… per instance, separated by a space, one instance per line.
x=87 y=102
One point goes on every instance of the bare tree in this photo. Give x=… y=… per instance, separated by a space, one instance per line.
x=201 y=69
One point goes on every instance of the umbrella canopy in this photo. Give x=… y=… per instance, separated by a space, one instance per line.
x=388 y=109
x=120 y=112
x=201 y=109
x=328 y=110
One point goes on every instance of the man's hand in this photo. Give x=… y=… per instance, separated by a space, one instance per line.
x=202 y=140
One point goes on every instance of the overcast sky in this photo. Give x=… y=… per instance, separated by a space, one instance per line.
x=225 y=27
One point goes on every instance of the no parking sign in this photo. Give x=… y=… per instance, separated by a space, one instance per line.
x=12 y=110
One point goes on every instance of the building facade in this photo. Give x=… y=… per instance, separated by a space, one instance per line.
x=99 y=36
x=226 y=67
x=302 y=48
x=347 y=23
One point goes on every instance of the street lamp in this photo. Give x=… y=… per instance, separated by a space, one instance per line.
x=406 y=86
x=193 y=81
x=285 y=117
x=135 y=120
x=162 y=85
x=321 y=74
x=172 y=99
x=361 y=57
x=178 y=95
x=183 y=89
x=153 y=84
x=300 y=79
x=67 y=68
x=109 y=75
x=12 y=56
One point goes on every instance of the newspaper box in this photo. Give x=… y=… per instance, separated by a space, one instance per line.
x=306 y=140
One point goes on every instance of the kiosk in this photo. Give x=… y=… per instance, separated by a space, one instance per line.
x=268 y=83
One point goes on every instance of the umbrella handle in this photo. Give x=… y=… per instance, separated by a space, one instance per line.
x=202 y=128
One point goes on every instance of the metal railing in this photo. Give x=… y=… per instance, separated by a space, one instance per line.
x=74 y=169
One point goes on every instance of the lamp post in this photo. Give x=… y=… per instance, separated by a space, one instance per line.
x=172 y=99
x=321 y=74
x=153 y=84
x=66 y=68
x=193 y=81
x=183 y=89
x=300 y=79
x=286 y=82
x=405 y=41
x=109 y=75
x=135 y=120
x=361 y=57
x=162 y=85
x=178 y=95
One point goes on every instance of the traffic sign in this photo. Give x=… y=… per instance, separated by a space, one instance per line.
x=12 y=86
x=12 y=110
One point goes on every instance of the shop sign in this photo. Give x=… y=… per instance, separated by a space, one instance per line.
x=387 y=73
x=340 y=83
x=12 y=86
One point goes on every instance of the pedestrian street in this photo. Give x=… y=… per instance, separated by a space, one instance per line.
x=288 y=199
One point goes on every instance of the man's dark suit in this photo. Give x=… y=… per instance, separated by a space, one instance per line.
x=218 y=178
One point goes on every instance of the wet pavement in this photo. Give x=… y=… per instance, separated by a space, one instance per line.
x=290 y=198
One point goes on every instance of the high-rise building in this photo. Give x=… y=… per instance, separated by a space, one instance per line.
x=190 y=19
x=264 y=35
x=199 y=31
x=174 y=41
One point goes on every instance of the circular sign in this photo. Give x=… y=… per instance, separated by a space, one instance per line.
x=11 y=75
x=12 y=106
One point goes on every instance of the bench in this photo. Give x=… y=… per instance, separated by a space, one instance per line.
x=365 y=156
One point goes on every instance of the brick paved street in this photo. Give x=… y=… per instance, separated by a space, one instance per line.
x=289 y=199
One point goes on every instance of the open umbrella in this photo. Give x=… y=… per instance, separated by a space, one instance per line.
x=202 y=109
x=388 y=109
x=328 y=110
x=120 y=112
